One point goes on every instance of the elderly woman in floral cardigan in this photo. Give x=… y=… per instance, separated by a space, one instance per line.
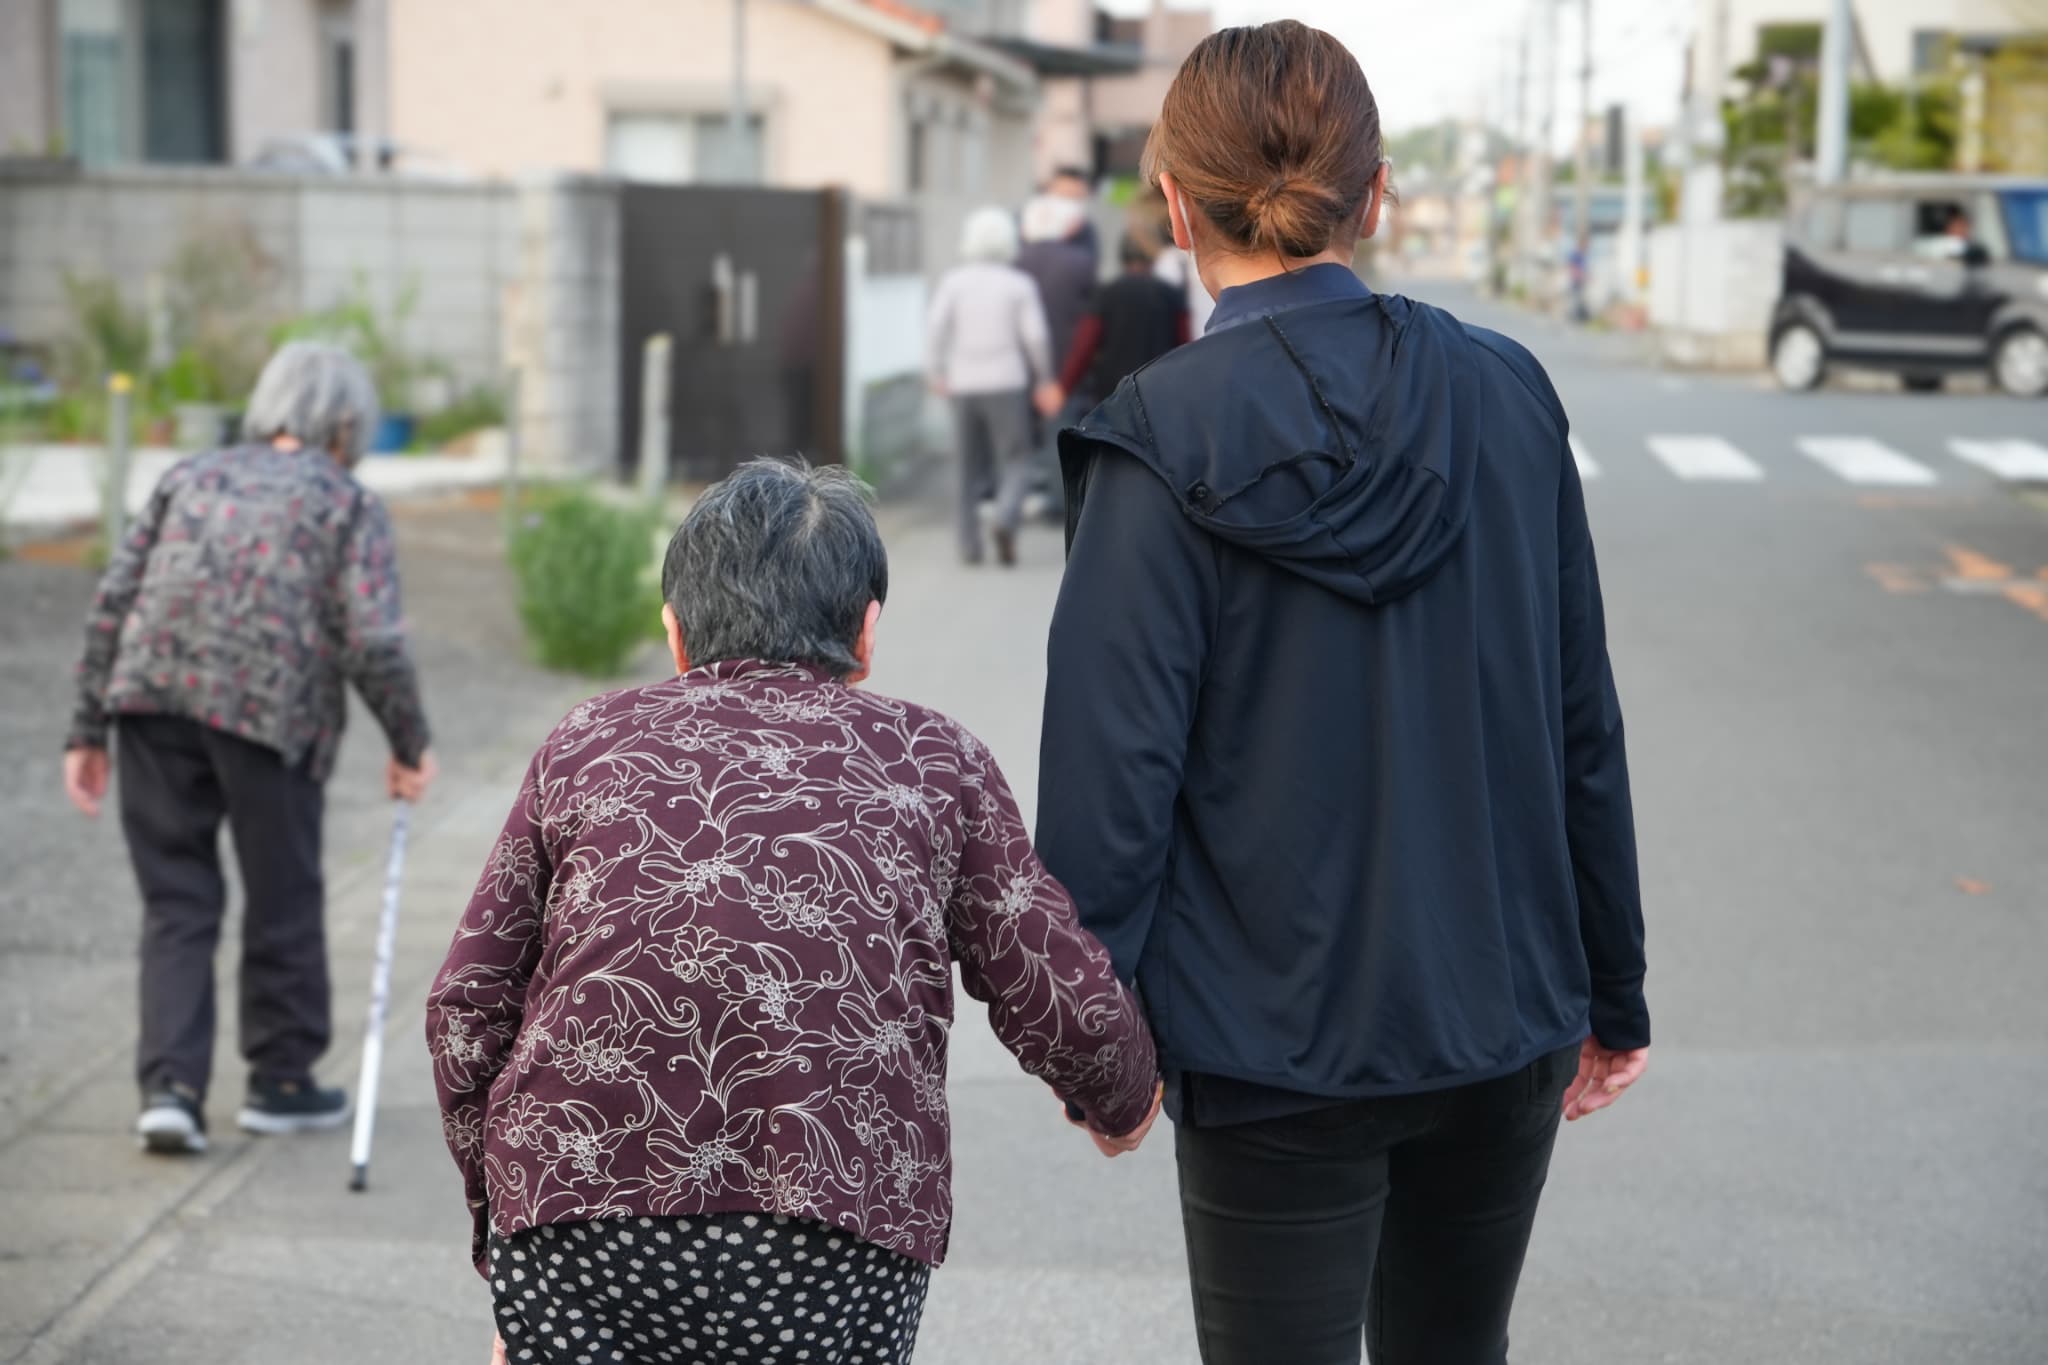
x=690 y=1039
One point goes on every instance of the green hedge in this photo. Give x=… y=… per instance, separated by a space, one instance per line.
x=589 y=582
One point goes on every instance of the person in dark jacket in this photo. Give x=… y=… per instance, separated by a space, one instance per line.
x=1057 y=262
x=260 y=582
x=1332 y=758
x=1133 y=320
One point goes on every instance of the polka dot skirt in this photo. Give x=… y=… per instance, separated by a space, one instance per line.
x=703 y=1290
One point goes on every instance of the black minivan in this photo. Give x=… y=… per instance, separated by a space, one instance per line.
x=1922 y=275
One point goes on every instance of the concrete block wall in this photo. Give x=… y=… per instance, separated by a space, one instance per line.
x=456 y=244
x=564 y=323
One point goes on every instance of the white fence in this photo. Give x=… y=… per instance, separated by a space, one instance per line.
x=1712 y=288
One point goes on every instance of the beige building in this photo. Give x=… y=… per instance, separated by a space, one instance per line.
x=1104 y=78
x=878 y=97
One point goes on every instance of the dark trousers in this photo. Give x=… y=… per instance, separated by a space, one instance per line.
x=178 y=781
x=1400 y=1220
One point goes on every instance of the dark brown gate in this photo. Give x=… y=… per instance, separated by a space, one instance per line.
x=751 y=286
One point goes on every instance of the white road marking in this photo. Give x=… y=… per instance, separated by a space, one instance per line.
x=1588 y=467
x=2022 y=460
x=1705 y=458
x=1859 y=459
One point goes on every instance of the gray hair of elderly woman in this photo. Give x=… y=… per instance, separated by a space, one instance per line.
x=317 y=394
x=989 y=235
x=778 y=561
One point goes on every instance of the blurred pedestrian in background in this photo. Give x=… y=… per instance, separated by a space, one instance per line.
x=1063 y=269
x=690 y=1039
x=1074 y=184
x=260 y=581
x=988 y=350
x=1133 y=320
x=1333 y=758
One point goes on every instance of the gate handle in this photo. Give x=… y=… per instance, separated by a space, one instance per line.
x=722 y=292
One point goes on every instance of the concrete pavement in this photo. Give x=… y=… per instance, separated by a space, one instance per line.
x=1838 y=1156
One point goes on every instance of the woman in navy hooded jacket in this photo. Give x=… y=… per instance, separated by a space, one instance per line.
x=1333 y=758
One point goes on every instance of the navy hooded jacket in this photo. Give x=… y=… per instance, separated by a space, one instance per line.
x=1332 y=756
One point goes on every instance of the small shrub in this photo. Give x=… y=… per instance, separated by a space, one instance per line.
x=474 y=411
x=588 y=582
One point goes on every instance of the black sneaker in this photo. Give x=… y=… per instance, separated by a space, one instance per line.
x=172 y=1123
x=292 y=1107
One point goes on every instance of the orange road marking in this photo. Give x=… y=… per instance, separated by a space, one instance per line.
x=1975 y=567
x=2029 y=597
x=1895 y=578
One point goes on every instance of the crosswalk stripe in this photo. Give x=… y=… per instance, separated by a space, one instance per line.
x=1704 y=457
x=2006 y=459
x=1589 y=468
x=1859 y=459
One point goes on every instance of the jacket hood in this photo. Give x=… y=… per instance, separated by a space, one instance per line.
x=1337 y=440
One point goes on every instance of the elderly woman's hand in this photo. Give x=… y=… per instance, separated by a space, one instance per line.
x=498 y=1356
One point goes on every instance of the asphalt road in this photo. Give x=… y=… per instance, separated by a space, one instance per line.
x=1834 y=694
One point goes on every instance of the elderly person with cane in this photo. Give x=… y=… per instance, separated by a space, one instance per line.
x=691 y=1036
x=257 y=585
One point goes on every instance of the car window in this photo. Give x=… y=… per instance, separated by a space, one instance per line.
x=1874 y=225
x=2026 y=224
x=1822 y=226
x=1942 y=229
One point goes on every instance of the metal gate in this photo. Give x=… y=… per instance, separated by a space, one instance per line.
x=750 y=285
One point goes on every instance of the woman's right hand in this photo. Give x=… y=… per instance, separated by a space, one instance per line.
x=498 y=1356
x=1604 y=1072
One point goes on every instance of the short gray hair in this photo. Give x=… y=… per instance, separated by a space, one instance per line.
x=989 y=234
x=318 y=394
x=779 y=562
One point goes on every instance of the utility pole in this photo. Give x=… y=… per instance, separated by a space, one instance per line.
x=1521 y=245
x=736 y=130
x=1546 y=136
x=1832 y=153
x=1582 y=169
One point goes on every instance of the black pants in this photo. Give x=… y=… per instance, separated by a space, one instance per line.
x=1404 y=1220
x=178 y=781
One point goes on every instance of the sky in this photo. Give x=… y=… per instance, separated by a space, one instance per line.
x=1431 y=59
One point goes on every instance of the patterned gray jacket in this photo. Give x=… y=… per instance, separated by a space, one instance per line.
x=256 y=585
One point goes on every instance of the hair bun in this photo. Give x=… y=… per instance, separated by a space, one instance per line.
x=1293 y=214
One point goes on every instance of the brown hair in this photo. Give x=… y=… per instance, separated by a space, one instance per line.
x=1273 y=133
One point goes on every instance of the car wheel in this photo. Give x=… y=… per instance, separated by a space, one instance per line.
x=2019 y=362
x=1798 y=358
x=1922 y=383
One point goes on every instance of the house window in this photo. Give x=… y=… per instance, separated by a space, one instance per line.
x=144 y=81
x=183 y=81
x=1874 y=225
x=97 y=88
x=680 y=148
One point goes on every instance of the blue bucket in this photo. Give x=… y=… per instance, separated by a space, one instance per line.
x=394 y=433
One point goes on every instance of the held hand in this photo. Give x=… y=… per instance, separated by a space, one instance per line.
x=1604 y=1072
x=410 y=784
x=1050 y=398
x=85 y=778
x=498 y=1351
x=1127 y=1142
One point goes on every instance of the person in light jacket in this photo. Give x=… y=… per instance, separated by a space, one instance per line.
x=989 y=350
x=258 y=584
x=1333 y=757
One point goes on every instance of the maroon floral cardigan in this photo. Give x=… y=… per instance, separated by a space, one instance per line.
x=709 y=965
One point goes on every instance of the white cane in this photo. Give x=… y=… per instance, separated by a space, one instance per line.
x=380 y=1003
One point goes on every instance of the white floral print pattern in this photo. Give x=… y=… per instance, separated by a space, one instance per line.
x=708 y=965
